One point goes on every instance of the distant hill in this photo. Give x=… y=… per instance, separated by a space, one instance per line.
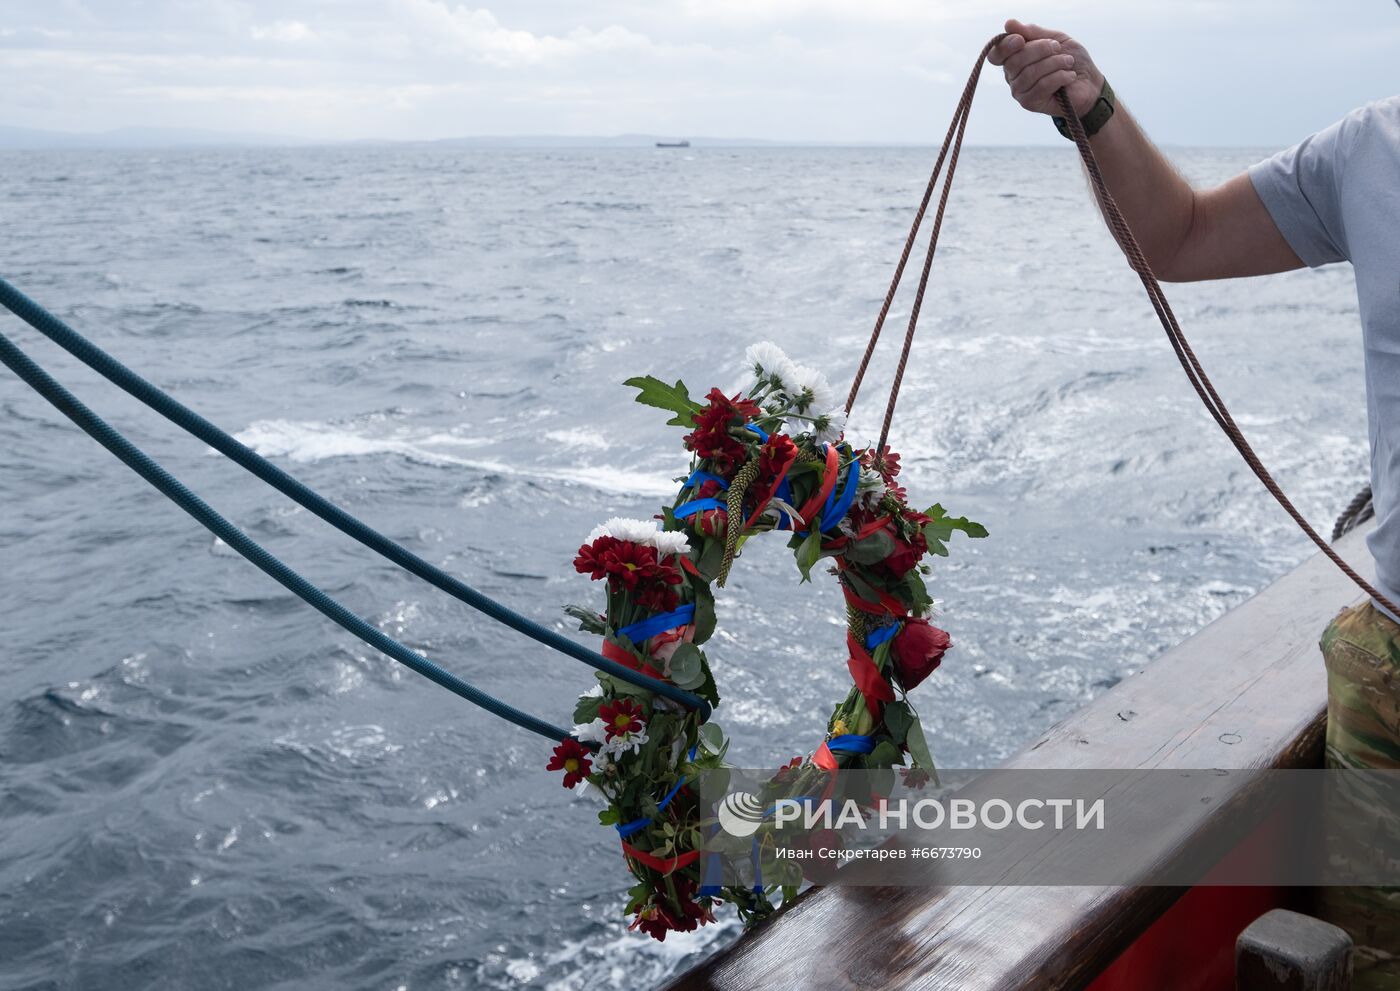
x=136 y=137
x=22 y=138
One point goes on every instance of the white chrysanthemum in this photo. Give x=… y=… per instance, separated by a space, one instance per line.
x=871 y=490
x=669 y=542
x=594 y=732
x=769 y=362
x=624 y=743
x=596 y=692
x=644 y=532
x=829 y=427
x=810 y=390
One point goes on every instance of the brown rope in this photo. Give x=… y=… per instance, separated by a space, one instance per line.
x=1358 y=511
x=953 y=141
x=1123 y=234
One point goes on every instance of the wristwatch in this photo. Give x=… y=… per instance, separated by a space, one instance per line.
x=1096 y=117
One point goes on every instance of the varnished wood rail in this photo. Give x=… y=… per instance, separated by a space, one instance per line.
x=1248 y=691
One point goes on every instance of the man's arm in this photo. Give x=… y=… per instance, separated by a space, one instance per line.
x=1187 y=234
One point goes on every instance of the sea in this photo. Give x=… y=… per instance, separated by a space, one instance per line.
x=205 y=784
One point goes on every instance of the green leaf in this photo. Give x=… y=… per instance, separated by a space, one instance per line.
x=712 y=737
x=651 y=391
x=688 y=667
x=809 y=553
x=704 y=612
x=885 y=754
x=873 y=549
x=588 y=619
x=587 y=709
x=608 y=817
x=941 y=525
x=898 y=716
x=710 y=558
x=918 y=746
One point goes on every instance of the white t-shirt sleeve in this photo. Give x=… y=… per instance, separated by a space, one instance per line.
x=1301 y=188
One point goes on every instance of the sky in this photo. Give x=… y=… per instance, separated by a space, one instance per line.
x=1199 y=72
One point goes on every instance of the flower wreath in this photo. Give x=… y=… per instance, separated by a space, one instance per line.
x=772 y=458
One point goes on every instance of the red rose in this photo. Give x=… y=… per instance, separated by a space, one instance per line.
x=905 y=556
x=917 y=651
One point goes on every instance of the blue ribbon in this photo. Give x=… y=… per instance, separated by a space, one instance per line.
x=713 y=873
x=626 y=829
x=703 y=476
x=696 y=506
x=762 y=435
x=851 y=743
x=835 y=514
x=784 y=493
x=660 y=623
x=879 y=635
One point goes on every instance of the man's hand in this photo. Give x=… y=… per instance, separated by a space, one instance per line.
x=1038 y=61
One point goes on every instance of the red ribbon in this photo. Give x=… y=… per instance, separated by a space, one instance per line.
x=667 y=866
x=813 y=506
x=782 y=474
x=887 y=606
x=824 y=758
x=613 y=652
x=867 y=677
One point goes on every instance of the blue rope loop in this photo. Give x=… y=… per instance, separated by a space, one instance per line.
x=169 y=486
x=186 y=419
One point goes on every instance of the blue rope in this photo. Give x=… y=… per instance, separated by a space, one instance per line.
x=138 y=461
x=182 y=416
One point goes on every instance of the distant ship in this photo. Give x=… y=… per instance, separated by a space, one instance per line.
x=673 y=144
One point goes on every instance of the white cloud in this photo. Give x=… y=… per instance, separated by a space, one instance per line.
x=283 y=31
x=479 y=33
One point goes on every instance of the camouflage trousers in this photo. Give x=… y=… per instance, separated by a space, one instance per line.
x=1362 y=651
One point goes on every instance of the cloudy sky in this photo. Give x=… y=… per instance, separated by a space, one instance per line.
x=1256 y=72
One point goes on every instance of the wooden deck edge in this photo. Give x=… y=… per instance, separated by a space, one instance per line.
x=1247 y=691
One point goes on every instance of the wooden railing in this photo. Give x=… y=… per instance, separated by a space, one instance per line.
x=1248 y=691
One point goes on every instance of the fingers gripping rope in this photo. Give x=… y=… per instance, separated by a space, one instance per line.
x=1123 y=234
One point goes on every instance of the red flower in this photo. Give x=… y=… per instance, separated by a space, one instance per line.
x=915 y=777
x=657 y=920
x=917 y=651
x=571 y=757
x=710 y=522
x=711 y=438
x=621 y=718
x=592 y=558
x=884 y=463
x=658 y=597
x=775 y=457
x=905 y=556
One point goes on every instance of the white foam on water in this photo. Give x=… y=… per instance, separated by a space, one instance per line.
x=308 y=442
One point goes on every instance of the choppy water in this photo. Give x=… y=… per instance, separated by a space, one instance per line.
x=205 y=785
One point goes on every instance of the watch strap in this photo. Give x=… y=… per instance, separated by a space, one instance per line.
x=1095 y=118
